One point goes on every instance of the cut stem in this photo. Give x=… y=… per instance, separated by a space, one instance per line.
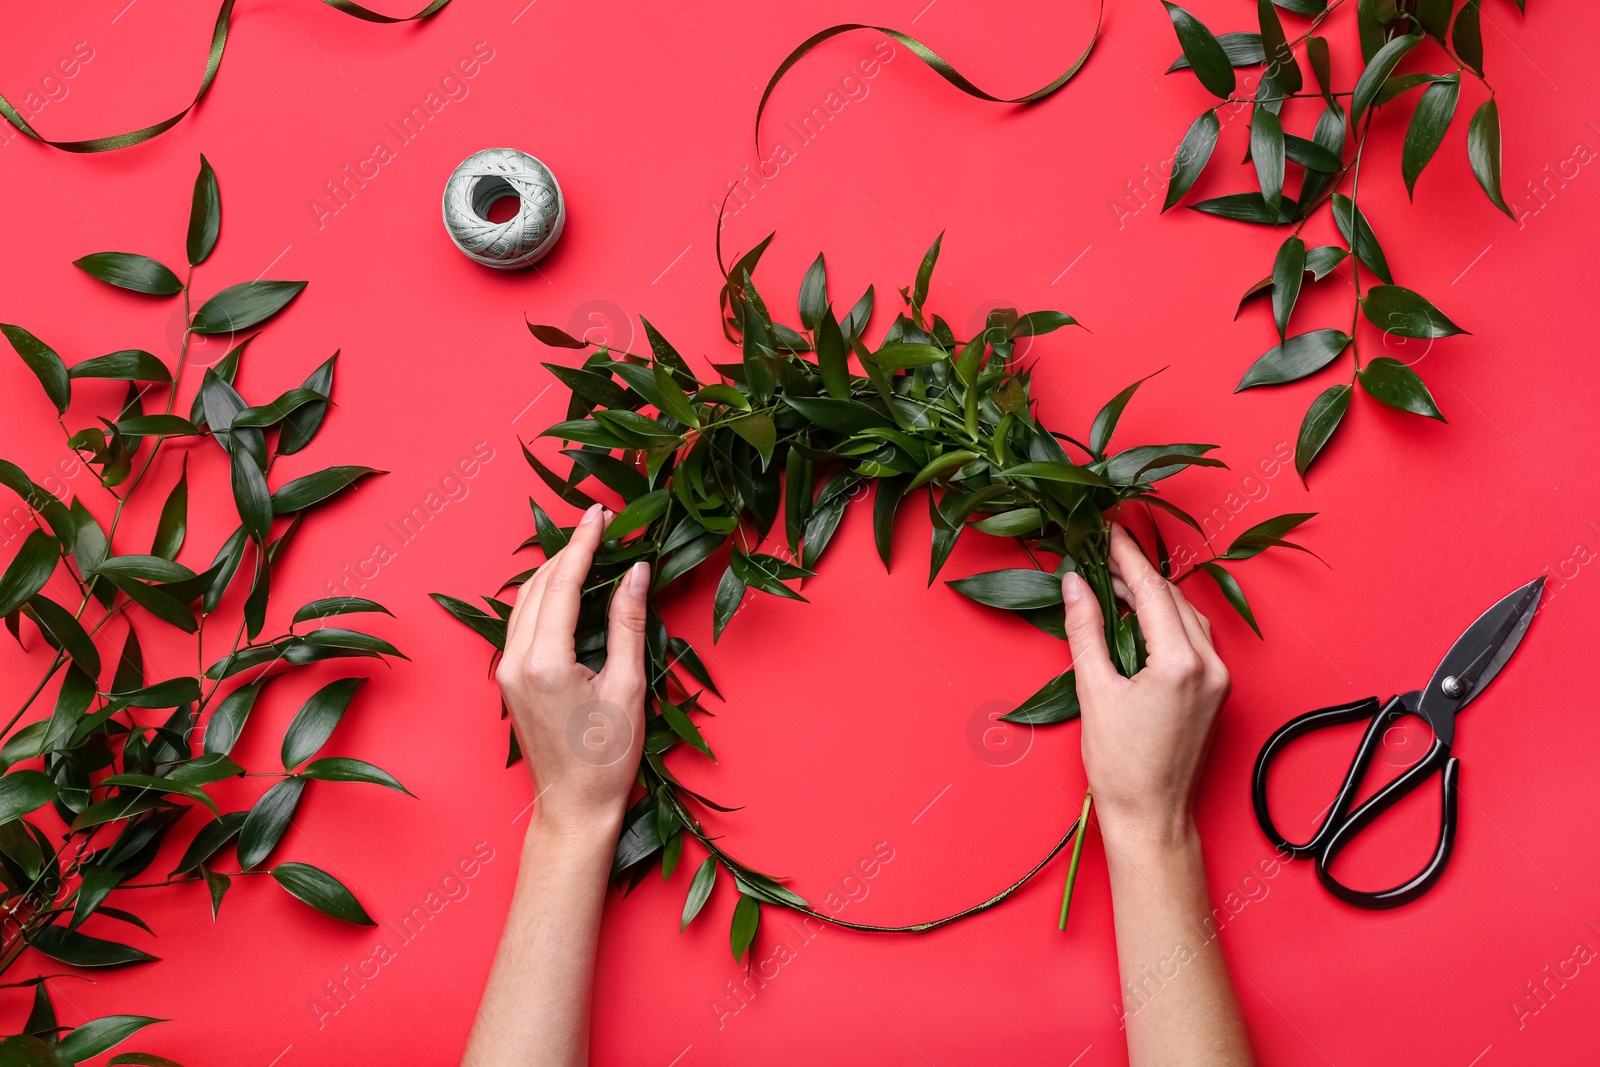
x=1077 y=854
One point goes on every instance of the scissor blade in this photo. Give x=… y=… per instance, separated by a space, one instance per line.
x=1479 y=654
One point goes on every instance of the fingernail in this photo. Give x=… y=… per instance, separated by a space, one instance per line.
x=638 y=578
x=1071 y=587
x=589 y=516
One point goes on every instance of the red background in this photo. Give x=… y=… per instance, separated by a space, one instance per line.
x=847 y=720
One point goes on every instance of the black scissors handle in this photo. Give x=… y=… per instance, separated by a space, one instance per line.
x=1341 y=825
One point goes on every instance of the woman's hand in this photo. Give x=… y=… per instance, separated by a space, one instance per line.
x=581 y=732
x=1144 y=737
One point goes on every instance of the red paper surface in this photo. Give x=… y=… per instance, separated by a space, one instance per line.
x=849 y=724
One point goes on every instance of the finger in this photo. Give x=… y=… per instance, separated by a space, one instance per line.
x=1153 y=603
x=519 y=628
x=1193 y=615
x=1200 y=638
x=1086 y=633
x=624 y=669
x=558 y=604
x=1124 y=594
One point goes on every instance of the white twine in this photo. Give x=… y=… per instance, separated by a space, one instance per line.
x=491 y=175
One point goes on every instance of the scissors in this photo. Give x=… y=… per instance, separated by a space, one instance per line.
x=1466 y=671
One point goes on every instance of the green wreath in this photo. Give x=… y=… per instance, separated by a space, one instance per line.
x=792 y=429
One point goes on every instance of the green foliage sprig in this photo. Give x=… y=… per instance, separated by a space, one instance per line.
x=219 y=43
x=704 y=471
x=1389 y=31
x=92 y=790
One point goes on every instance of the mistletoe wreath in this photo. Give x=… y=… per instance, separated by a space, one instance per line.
x=704 y=469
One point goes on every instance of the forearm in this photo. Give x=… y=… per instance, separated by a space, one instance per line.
x=1179 y=1007
x=535 y=1008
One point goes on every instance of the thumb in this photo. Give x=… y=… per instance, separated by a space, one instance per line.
x=624 y=669
x=1085 y=631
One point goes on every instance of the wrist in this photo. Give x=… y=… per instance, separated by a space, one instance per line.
x=1149 y=838
x=600 y=825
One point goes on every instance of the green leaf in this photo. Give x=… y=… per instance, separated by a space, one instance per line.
x=1428 y=125
x=265 y=825
x=130 y=365
x=641 y=513
x=1193 y=153
x=905 y=355
x=24 y=791
x=205 y=215
x=1242 y=50
x=275 y=412
x=227 y=721
x=1259 y=537
x=1012 y=523
x=147 y=1059
x=316 y=719
x=1466 y=37
x=1135 y=462
x=28 y=571
x=225 y=565
x=1298 y=357
x=1015 y=589
x=251 y=498
x=80 y=950
x=217 y=884
x=1397 y=310
x=1282 y=70
x=919 y=290
x=1206 y=57
x=1231 y=591
x=1358 y=235
x=1318 y=426
x=242 y=306
x=157 y=426
x=1055 y=702
x=1039 y=323
x=302 y=424
x=65 y=632
x=1288 y=271
x=758 y=429
x=130 y=782
x=322 y=891
x=730 y=592
x=337 y=605
x=1057 y=470
x=1398 y=386
x=939 y=464
x=554 y=337
x=684 y=727
x=1317 y=53
x=1266 y=149
x=1100 y=431
x=746 y=920
x=174 y=521
x=210 y=838
x=314 y=488
x=699 y=891
x=840 y=416
x=1378 y=70
x=814 y=293
x=1249 y=207
x=343 y=769
x=128 y=271
x=1483 y=152
x=1310 y=154
x=45 y=364
x=486 y=626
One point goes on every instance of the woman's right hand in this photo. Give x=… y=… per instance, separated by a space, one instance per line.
x=1144 y=738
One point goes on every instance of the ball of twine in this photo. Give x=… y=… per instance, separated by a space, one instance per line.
x=491 y=175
